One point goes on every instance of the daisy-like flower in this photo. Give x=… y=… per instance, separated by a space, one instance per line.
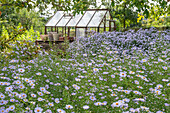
x=17 y=82
x=159 y=86
x=126 y=100
x=92 y=98
x=85 y=55
x=113 y=94
x=85 y=107
x=110 y=60
x=38 y=110
x=60 y=111
x=110 y=52
x=158 y=92
x=116 y=104
x=23 y=95
x=38 y=73
x=138 y=75
x=139 y=99
x=12 y=100
x=69 y=107
x=165 y=80
x=137 y=92
x=57 y=100
x=100 y=65
x=168 y=84
x=42 y=89
x=10 y=88
x=122 y=74
x=21 y=86
x=105 y=73
x=2 y=96
x=21 y=70
x=131 y=72
x=48 y=111
x=31 y=61
x=2 y=110
x=127 y=91
x=50 y=104
x=144 y=60
x=104 y=103
x=49 y=69
x=164 y=67
x=140 y=87
x=95 y=69
x=40 y=93
x=114 y=68
x=11 y=108
x=136 y=82
x=33 y=95
x=40 y=99
x=97 y=103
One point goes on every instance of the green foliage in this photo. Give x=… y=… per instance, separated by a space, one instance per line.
x=30 y=35
x=24 y=50
x=10 y=35
x=27 y=19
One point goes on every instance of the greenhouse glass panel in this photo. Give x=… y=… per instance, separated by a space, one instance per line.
x=86 y=18
x=63 y=21
x=96 y=20
x=53 y=21
x=80 y=32
x=74 y=20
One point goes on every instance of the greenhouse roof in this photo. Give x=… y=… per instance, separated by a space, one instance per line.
x=90 y=18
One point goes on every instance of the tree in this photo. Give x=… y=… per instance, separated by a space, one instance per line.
x=80 y=5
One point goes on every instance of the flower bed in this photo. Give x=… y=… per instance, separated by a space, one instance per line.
x=110 y=72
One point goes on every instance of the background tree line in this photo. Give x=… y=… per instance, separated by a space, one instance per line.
x=13 y=12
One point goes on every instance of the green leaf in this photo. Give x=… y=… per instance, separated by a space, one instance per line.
x=147 y=13
x=113 y=3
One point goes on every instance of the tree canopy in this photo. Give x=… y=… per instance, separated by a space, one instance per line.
x=80 y=5
x=142 y=6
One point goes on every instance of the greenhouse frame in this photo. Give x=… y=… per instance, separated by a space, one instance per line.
x=80 y=25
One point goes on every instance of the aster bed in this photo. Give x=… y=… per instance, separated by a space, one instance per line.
x=110 y=72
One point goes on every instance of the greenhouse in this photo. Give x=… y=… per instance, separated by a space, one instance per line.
x=81 y=25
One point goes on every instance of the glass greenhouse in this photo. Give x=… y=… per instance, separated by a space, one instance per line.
x=91 y=21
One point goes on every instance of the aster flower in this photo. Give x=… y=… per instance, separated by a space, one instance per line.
x=57 y=100
x=40 y=94
x=33 y=95
x=10 y=88
x=85 y=107
x=50 y=104
x=92 y=98
x=137 y=92
x=69 y=107
x=116 y=104
x=38 y=73
x=21 y=70
x=95 y=69
x=12 y=108
x=2 y=96
x=40 y=99
x=38 y=110
x=60 y=111
x=97 y=103
x=122 y=74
